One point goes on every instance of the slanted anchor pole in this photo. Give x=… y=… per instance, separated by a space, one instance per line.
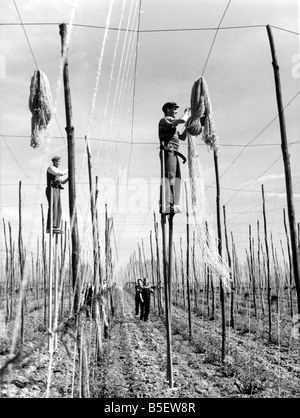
x=287 y=170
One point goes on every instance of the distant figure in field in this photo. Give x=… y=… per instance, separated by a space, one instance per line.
x=146 y=296
x=88 y=297
x=55 y=181
x=138 y=295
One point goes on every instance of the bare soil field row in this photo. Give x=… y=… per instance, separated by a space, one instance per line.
x=134 y=361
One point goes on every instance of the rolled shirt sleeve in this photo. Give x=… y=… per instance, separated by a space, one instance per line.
x=56 y=171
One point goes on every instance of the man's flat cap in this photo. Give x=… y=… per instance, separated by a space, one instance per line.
x=169 y=105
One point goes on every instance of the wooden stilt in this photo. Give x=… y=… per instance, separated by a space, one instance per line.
x=50 y=338
x=188 y=262
x=169 y=301
x=55 y=280
x=159 y=287
x=166 y=281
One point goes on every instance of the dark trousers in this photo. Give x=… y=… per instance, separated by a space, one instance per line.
x=56 y=207
x=138 y=303
x=172 y=181
x=145 y=308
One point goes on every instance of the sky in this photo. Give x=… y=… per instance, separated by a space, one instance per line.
x=123 y=66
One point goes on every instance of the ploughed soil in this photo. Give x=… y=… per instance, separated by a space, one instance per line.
x=134 y=361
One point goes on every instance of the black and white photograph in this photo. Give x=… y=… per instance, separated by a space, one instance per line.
x=150 y=202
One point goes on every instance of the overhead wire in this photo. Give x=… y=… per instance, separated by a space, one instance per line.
x=129 y=76
x=95 y=92
x=256 y=136
x=118 y=99
x=255 y=180
x=120 y=141
x=119 y=96
x=152 y=30
x=134 y=85
x=143 y=31
x=23 y=27
x=215 y=36
x=36 y=64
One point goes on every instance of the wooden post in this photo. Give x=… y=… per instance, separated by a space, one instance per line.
x=252 y=272
x=290 y=285
x=230 y=271
x=106 y=245
x=222 y=293
x=188 y=262
x=234 y=265
x=287 y=169
x=182 y=275
x=196 y=284
x=21 y=263
x=7 y=273
x=210 y=283
x=96 y=303
x=144 y=257
x=276 y=274
x=176 y=277
x=268 y=264
x=44 y=266
x=152 y=269
x=71 y=167
x=97 y=231
x=260 y=284
x=12 y=281
x=94 y=226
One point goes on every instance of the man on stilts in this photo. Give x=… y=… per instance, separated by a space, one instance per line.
x=55 y=180
x=169 y=143
x=170 y=187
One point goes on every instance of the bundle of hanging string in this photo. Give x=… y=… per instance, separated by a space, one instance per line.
x=201 y=108
x=201 y=115
x=40 y=105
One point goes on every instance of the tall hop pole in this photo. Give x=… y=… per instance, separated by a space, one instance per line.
x=287 y=169
x=71 y=168
x=222 y=291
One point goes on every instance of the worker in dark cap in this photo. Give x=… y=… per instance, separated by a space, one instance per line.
x=169 y=137
x=146 y=298
x=138 y=295
x=55 y=179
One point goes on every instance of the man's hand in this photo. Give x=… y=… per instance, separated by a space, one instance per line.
x=187 y=114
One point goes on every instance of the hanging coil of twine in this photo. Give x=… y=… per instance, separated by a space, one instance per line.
x=201 y=120
x=203 y=220
x=40 y=105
